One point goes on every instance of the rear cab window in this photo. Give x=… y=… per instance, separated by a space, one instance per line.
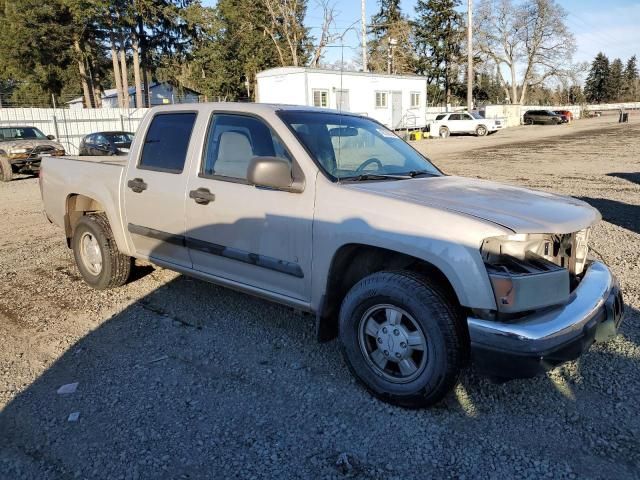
x=167 y=142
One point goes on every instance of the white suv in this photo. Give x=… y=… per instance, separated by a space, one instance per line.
x=464 y=122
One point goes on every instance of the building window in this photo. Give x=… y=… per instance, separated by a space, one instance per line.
x=381 y=99
x=321 y=98
x=415 y=99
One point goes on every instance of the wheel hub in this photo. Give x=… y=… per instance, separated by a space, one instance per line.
x=393 y=342
x=91 y=254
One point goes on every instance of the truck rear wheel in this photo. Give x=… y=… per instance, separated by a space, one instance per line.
x=6 y=172
x=100 y=263
x=402 y=338
x=444 y=132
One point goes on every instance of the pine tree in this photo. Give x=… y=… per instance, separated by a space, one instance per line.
x=389 y=26
x=438 y=31
x=616 y=81
x=596 y=87
x=631 y=80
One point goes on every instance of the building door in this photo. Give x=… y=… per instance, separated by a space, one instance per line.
x=342 y=100
x=396 y=110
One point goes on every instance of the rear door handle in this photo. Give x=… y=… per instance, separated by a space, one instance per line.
x=137 y=185
x=202 y=196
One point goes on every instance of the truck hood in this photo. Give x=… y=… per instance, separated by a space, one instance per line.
x=9 y=145
x=518 y=209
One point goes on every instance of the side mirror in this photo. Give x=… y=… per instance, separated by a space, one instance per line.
x=272 y=172
x=51 y=137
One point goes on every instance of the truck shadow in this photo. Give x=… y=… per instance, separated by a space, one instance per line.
x=633 y=177
x=619 y=213
x=198 y=381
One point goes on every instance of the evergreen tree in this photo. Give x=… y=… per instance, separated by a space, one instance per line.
x=631 y=80
x=438 y=31
x=596 y=87
x=616 y=81
x=390 y=47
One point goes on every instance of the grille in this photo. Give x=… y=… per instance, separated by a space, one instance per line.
x=43 y=149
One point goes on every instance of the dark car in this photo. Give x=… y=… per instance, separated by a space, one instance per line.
x=545 y=117
x=106 y=143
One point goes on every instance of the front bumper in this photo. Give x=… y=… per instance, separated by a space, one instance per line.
x=545 y=339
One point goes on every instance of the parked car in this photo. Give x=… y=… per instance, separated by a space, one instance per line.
x=331 y=213
x=567 y=115
x=106 y=143
x=464 y=122
x=544 y=117
x=21 y=150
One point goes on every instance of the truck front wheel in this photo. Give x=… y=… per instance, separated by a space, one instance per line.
x=6 y=172
x=100 y=263
x=402 y=338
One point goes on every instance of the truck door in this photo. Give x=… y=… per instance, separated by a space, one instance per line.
x=254 y=236
x=155 y=186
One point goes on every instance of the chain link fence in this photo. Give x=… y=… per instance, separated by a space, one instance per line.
x=70 y=125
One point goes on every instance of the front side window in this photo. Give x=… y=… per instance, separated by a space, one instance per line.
x=415 y=99
x=381 y=99
x=346 y=145
x=233 y=141
x=167 y=141
x=321 y=98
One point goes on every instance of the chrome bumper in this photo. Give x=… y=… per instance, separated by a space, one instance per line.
x=593 y=313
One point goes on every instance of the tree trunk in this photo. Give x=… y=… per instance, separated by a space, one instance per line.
x=136 y=68
x=125 y=75
x=88 y=100
x=142 y=45
x=116 y=71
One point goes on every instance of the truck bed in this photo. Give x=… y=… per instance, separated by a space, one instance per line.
x=107 y=160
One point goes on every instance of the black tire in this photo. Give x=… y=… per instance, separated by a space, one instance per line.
x=115 y=267
x=444 y=132
x=444 y=335
x=6 y=171
x=481 y=131
x=529 y=121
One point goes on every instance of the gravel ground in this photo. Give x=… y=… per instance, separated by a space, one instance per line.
x=181 y=379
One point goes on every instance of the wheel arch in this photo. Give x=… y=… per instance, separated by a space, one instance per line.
x=354 y=261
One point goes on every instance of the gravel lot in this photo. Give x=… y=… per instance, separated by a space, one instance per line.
x=181 y=379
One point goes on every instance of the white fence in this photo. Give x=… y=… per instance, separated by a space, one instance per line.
x=70 y=125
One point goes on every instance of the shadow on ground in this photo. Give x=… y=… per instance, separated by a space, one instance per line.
x=619 y=213
x=633 y=177
x=251 y=394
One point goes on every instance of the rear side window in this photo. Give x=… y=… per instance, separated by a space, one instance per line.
x=165 y=146
x=233 y=141
x=440 y=117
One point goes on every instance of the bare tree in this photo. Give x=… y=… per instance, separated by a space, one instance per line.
x=529 y=36
x=326 y=37
x=285 y=28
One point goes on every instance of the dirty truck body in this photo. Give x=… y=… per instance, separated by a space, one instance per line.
x=417 y=272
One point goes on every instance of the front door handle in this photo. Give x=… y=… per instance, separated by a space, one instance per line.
x=137 y=185
x=202 y=196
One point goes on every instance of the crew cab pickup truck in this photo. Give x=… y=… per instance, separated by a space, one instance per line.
x=419 y=273
x=464 y=122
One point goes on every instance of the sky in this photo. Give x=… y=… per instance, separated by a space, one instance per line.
x=610 y=26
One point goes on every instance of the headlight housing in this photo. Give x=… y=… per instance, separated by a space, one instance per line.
x=531 y=271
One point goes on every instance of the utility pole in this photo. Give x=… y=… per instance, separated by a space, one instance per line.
x=364 y=35
x=469 y=55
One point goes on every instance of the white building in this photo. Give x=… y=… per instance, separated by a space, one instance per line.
x=161 y=94
x=397 y=101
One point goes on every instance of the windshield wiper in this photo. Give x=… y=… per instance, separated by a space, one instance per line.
x=375 y=176
x=418 y=173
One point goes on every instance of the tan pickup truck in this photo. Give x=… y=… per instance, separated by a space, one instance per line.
x=418 y=273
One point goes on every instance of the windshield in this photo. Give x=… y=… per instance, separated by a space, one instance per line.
x=21 y=133
x=348 y=146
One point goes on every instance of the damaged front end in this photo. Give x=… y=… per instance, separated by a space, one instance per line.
x=533 y=271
